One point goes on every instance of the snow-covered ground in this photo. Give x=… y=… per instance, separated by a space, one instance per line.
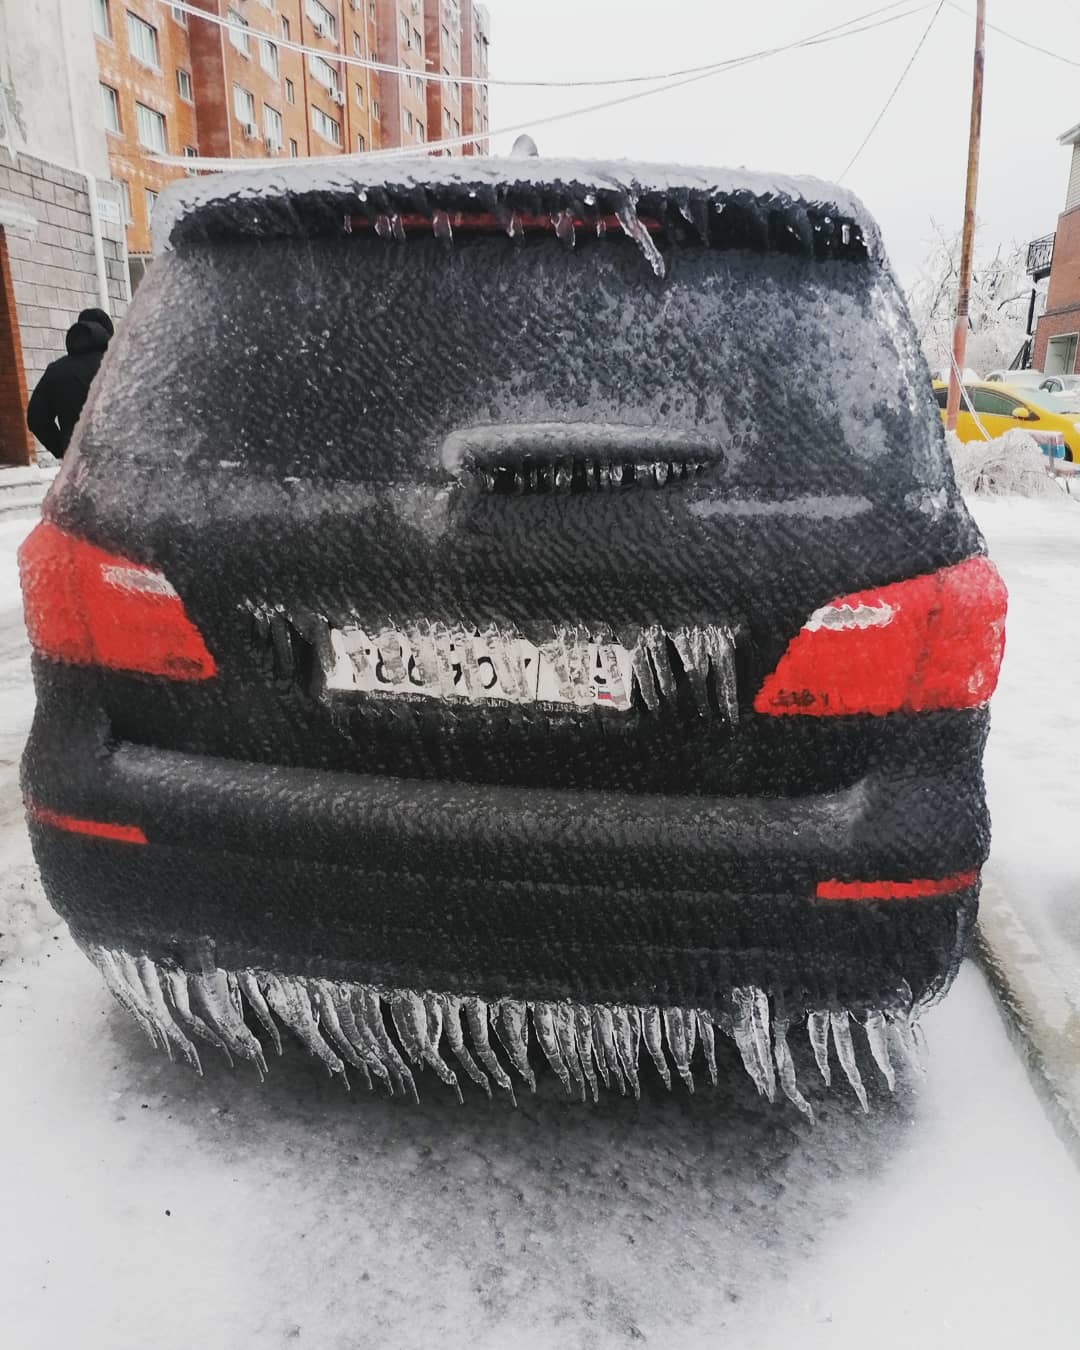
x=1033 y=758
x=143 y=1207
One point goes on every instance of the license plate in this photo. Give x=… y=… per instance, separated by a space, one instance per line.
x=481 y=666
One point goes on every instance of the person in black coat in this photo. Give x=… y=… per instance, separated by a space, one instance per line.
x=98 y=316
x=58 y=400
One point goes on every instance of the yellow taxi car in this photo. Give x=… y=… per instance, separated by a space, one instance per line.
x=1001 y=408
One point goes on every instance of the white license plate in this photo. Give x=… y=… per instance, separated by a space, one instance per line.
x=481 y=666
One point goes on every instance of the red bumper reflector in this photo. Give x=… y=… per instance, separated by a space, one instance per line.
x=87 y=607
x=99 y=829
x=896 y=890
x=930 y=642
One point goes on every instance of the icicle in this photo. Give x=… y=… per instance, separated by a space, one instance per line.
x=708 y=1042
x=678 y=1028
x=879 y=1046
x=249 y=987
x=632 y=227
x=176 y=987
x=217 y=1006
x=845 y=1050
x=367 y=1009
x=564 y=475
x=476 y=1015
x=690 y=645
x=627 y=1026
x=513 y=226
x=441 y=226
x=289 y=1000
x=358 y=1038
x=564 y=227
x=455 y=1036
x=105 y=961
x=660 y=472
x=643 y=674
x=651 y=1034
x=785 y=1068
x=397 y=228
x=147 y=972
x=583 y=1021
x=383 y=227
x=410 y=1018
x=720 y=645
x=750 y=1032
x=601 y=227
x=615 y=470
x=901 y=1026
x=603 y=1041
x=817 y=1026
x=543 y=1017
x=566 y=1030
x=511 y=1025
x=321 y=994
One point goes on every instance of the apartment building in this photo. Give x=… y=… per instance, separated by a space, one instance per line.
x=475 y=40
x=232 y=84
x=1057 y=338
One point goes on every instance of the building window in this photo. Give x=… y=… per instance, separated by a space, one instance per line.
x=359 y=95
x=445 y=38
x=243 y=105
x=125 y=199
x=290 y=92
x=268 y=57
x=151 y=198
x=111 y=104
x=357 y=45
x=102 y=26
x=326 y=127
x=142 y=40
x=375 y=108
x=273 y=128
x=418 y=41
x=361 y=144
x=419 y=87
x=179 y=17
x=405 y=29
x=285 y=29
x=446 y=120
x=183 y=84
x=191 y=152
x=237 y=36
x=325 y=22
x=408 y=121
x=324 y=72
x=371 y=10
x=457 y=127
x=150 y=126
x=419 y=130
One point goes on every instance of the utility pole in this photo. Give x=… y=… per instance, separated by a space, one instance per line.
x=960 y=332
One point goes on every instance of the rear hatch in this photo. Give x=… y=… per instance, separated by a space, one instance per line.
x=514 y=483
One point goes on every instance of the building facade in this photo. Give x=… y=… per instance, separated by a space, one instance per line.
x=1057 y=338
x=231 y=85
x=61 y=220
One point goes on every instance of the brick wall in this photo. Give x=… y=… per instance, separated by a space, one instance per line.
x=1063 y=296
x=15 y=440
x=50 y=254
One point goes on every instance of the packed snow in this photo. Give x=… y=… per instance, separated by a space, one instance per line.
x=147 y=1207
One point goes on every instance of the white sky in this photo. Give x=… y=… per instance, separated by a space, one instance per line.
x=806 y=111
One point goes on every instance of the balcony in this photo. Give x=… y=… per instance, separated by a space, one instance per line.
x=1040 y=255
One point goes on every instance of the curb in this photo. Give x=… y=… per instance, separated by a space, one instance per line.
x=1041 y=1017
x=22 y=496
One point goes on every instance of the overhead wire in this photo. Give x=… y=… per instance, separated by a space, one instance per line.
x=895 y=90
x=823 y=36
x=433 y=77
x=1023 y=42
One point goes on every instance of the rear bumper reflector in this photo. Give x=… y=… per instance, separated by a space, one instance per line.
x=98 y=829
x=896 y=890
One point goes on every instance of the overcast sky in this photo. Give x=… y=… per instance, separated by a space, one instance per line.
x=806 y=111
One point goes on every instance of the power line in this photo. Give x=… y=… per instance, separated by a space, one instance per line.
x=825 y=35
x=1032 y=46
x=895 y=90
x=430 y=77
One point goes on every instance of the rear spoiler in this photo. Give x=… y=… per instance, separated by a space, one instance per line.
x=715 y=207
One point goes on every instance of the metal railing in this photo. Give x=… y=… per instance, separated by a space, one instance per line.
x=1040 y=255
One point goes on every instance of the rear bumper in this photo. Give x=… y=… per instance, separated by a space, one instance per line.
x=527 y=892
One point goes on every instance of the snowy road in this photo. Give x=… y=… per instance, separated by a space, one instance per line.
x=145 y=1208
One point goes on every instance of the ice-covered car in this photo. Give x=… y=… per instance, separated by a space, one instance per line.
x=454 y=642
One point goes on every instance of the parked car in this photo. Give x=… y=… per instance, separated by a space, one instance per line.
x=1001 y=408
x=1017 y=378
x=1061 y=384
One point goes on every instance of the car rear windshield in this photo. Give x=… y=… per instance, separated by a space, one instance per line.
x=353 y=358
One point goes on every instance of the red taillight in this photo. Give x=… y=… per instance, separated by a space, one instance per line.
x=97 y=829
x=91 y=608
x=896 y=890
x=932 y=642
